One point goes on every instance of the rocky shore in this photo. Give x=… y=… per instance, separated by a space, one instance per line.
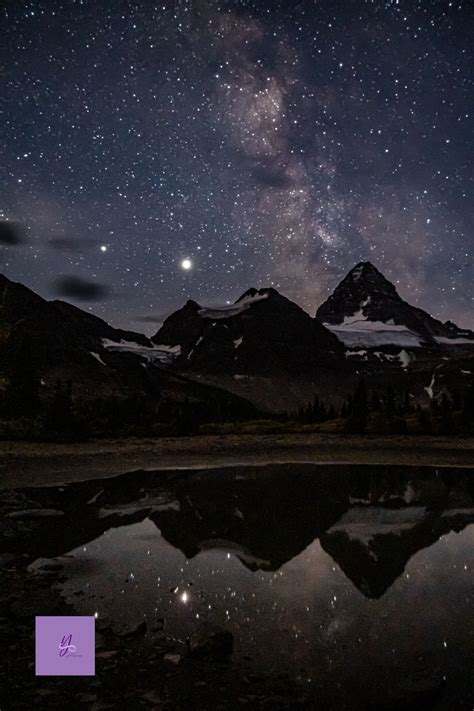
x=140 y=668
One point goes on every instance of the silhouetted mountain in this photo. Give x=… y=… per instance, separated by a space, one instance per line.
x=366 y=310
x=263 y=348
x=263 y=333
x=97 y=327
x=63 y=342
x=269 y=350
x=58 y=330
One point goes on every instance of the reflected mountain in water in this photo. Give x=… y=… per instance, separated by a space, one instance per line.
x=371 y=520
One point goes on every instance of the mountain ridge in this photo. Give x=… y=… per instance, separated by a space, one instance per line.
x=263 y=348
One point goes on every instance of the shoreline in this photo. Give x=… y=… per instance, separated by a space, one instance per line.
x=42 y=463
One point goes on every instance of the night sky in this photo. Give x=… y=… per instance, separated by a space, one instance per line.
x=153 y=152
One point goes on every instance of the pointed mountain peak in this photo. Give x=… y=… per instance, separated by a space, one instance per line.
x=366 y=275
x=181 y=326
x=366 y=301
x=253 y=293
x=361 y=268
x=268 y=299
x=192 y=305
x=250 y=293
x=363 y=291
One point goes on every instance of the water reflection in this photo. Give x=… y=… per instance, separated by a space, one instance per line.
x=370 y=520
x=348 y=576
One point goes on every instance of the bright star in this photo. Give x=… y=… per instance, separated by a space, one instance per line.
x=186 y=264
x=103 y=248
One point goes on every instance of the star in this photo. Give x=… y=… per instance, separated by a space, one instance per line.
x=279 y=146
x=186 y=264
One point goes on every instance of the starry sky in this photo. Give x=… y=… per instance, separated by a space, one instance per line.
x=151 y=152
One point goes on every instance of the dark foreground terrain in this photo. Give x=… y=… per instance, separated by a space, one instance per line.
x=28 y=463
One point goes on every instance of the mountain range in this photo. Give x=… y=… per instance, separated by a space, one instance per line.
x=263 y=349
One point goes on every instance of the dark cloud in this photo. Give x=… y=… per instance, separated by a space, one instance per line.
x=12 y=233
x=82 y=289
x=71 y=244
x=151 y=318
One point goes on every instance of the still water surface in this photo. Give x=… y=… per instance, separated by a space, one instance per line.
x=354 y=579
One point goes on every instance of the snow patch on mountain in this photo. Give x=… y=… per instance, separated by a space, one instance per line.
x=469 y=512
x=429 y=388
x=97 y=357
x=227 y=311
x=201 y=338
x=162 y=353
x=405 y=358
x=361 y=354
x=454 y=341
x=363 y=523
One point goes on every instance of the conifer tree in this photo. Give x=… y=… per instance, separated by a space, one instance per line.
x=21 y=396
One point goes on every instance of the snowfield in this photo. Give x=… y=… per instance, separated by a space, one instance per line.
x=357 y=330
x=374 y=333
x=160 y=353
x=227 y=311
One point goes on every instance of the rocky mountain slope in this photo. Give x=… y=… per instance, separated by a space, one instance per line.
x=263 y=349
x=389 y=340
x=267 y=348
x=63 y=342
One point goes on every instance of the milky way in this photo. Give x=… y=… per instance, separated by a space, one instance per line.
x=153 y=152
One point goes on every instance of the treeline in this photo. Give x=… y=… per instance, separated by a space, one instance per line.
x=60 y=417
x=29 y=410
x=386 y=412
x=316 y=411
